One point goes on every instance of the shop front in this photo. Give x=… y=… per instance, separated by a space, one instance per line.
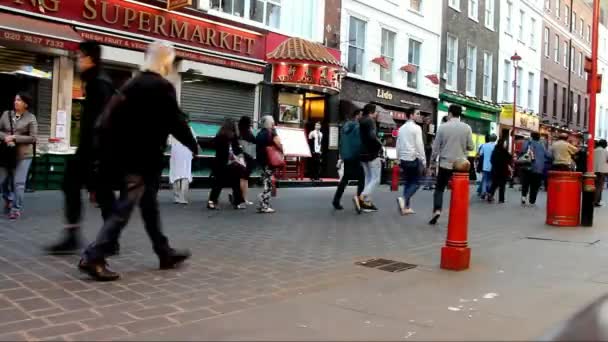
x=525 y=125
x=301 y=90
x=550 y=133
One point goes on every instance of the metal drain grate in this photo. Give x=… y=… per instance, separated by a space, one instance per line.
x=386 y=265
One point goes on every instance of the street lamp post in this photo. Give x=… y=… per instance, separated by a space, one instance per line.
x=593 y=85
x=515 y=59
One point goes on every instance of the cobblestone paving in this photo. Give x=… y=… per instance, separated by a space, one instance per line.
x=240 y=260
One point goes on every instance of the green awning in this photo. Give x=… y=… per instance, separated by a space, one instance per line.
x=471 y=102
x=204 y=130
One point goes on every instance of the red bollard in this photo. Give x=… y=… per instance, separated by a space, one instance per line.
x=564 y=199
x=456 y=254
x=395 y=178
x=274 y=186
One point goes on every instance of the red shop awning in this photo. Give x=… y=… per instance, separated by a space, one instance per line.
x=22 y=29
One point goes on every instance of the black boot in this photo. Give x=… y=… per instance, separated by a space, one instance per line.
x=70 y=243
x=98 y=270
x=172 y=258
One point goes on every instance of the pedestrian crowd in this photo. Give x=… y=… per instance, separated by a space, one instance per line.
x=113 y=157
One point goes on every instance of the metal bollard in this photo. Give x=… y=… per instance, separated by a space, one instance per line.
x=456 y=254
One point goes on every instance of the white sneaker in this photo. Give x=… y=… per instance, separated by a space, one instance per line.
x=266 y=211
x=409 y=211
x=524 y=201
x=401 y=205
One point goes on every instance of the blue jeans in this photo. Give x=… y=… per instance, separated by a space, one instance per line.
x=19 y=175
x=373 y=171
x=411 y=175
x=486 y=183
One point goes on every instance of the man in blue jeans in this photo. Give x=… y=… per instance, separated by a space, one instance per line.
x=371 y=148
x=485 y=158
x=410 y=149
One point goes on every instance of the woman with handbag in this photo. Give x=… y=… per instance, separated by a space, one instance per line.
x=270 y=157
x=229 y=166
x=501 y=169
x=18 y=130
x=247 y=143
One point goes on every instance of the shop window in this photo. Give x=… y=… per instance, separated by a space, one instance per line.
x=451 y=62
x=356 y=45
x=413 y=59
x=233 y=7
x=388 y=52
x=267 y=12
x=290 y=108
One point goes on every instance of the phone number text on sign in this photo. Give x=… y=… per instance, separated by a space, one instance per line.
x=27 y=38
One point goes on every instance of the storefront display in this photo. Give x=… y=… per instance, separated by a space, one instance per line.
x=525 y=125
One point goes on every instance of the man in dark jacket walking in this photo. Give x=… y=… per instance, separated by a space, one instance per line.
x=80 y=169
x=371 y=147
x=350 y=154
x=133 y=134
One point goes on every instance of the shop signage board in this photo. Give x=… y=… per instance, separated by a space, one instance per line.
x=305 y=75
x=334 y=136
x=195 y=56
x=294 y=142
x=21 y=37
x=524 y=121
x=155 y=23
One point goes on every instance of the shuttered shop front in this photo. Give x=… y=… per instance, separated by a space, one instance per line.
x=212 y=100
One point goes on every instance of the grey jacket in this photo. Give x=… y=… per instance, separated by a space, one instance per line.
x=454 y=139
x=25 y=132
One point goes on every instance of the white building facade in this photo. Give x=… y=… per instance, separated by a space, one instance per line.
x=521 y=32
x=601 y=123
x=392 y=51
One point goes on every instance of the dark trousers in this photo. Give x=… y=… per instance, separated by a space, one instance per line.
x=443 y=178
x=600 y=179
x=530 y=182
x=226 y=177
x=137 y=190
x=498 y=182
x=315 y=172
x=352 y=171
x=78 y=176
x=411 y=175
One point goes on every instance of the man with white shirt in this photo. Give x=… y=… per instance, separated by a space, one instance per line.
x=316 y=138
x=412 y=158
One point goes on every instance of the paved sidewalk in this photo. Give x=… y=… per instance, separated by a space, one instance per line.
x=292 y=275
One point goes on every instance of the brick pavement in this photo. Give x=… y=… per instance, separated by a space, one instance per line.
x=241 y=260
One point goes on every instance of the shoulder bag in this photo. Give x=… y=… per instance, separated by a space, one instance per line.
x=8 y=152
x=275 y=158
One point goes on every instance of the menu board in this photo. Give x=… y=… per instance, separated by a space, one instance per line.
x=294 y=142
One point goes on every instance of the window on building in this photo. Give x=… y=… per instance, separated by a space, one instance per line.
x=582 y=28
x=387 y=50
x=474 y=9
x=518 y=85
x=490 y=14
x=586 y=113
x=588 y=33
x=267 y=12
x=564 y=103
x=566 y=58
x=413 y=58
x=548 y=5
x=455 y=4
x=506 y=82
x=509 y=16
x=356 y=45
x=579 y=109
x=581 y=65
x=554 y=114
x=233 y=7
x=546 y=45
x=570 y=106
x=487 y=75
x=521 y=25
x=532 y=33
x=545 y=95
x=567 y=15
x=471 y=69
x=556 y=49
x=558 y=8
x=530 y=90
x=573 y=22
x=572 y=57
x=416 y=5
x=451 y=67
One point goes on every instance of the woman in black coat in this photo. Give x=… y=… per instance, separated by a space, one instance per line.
x=228 y=167
x=247 y=143
x=501 y=169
